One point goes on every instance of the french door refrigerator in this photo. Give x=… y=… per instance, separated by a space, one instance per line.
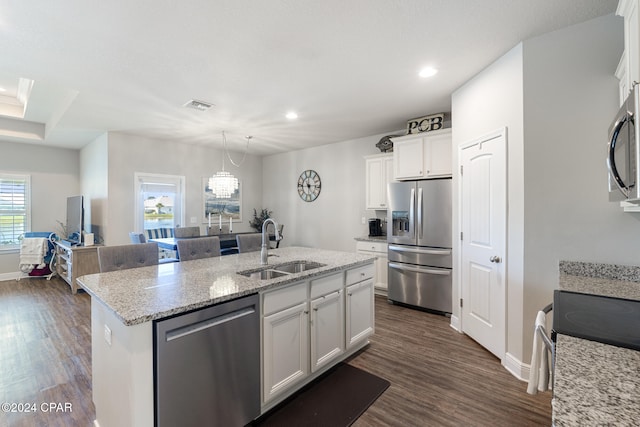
x=419 y=221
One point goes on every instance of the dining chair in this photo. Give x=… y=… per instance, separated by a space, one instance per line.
x=137 y=238
x=122 y=257
x=183 y=232
x=250 y=242
x=203 y=247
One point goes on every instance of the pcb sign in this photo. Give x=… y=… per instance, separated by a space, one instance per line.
x=425 y=124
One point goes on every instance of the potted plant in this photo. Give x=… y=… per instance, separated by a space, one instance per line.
x=259 y=218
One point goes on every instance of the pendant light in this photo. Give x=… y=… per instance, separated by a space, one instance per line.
x=223 y=184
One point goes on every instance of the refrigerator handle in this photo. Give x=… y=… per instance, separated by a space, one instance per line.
x=412 y=206
x=419 y=224
x=418 y=250
x=413 y=269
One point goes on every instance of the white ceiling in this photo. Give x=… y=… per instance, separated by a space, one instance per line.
x=347 y=67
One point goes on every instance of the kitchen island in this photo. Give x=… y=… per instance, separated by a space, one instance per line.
x=126 y=305
x=595 y=383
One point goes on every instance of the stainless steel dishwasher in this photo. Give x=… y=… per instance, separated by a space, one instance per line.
x=207 y=366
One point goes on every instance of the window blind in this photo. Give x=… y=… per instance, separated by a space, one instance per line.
x=14 y=209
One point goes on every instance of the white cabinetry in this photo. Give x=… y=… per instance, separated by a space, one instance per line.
x=425 y=155
x=379 y=173
x=379 y=250
x=327 y=320
x=360 y=305
x=629 y=67
x=285 y=339
x=306 y=329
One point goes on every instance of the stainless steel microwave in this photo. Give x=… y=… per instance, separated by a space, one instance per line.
x=623 y=156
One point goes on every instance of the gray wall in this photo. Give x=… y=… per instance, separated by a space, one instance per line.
x=129 y=154
x=94 y=180
x=490 y=101
x=571 y=95
x=333 y=220
x=557 y=119
x=54 y=177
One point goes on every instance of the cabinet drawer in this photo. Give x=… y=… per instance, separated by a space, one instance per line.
x=284 y=298
x=326 y=285
x=372 y=247
x=359 y=274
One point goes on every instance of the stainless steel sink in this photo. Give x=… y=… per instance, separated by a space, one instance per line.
x=297 y=266
x=265 y=274
x=280 y=270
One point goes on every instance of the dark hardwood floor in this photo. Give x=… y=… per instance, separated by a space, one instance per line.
x=438 y=376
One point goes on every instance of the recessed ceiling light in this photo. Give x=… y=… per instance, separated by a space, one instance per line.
x=291 y=115
x=427 y=72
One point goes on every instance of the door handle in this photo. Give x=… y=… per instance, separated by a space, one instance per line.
x=495 y=259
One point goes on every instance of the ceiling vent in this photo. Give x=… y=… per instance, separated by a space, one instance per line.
x=198 y=105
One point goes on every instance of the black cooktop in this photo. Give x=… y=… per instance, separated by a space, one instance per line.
x=608 y=320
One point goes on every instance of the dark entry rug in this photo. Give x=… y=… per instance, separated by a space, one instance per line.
x=336 y=399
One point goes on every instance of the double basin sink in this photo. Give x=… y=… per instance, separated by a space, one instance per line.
x=272 y=272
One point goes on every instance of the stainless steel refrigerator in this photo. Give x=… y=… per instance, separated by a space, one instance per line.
x=419 y=235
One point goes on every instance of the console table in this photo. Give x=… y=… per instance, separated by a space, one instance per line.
x=75 y=261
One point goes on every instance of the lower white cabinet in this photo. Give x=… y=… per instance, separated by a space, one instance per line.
x=360 y=316
x=285 y=350
x=327 y=329
x=379 y=250
x=310 y=325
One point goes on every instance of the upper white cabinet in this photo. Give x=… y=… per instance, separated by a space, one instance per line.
x=629 y=67
x=379 y=173
x=425 y=155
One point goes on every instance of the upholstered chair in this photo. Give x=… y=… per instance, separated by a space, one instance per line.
x=137 y=238
x=122 y=257
x=249 y=242
x=202 y=247
x=183 y=232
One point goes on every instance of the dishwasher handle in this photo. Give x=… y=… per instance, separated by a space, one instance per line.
x=193 y=328
x=416 y=269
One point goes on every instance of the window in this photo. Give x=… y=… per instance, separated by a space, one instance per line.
x=15 y=209
x=159 y=203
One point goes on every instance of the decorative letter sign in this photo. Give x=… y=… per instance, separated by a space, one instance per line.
x=425 y=124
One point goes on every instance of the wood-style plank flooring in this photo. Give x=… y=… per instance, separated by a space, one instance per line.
x=438 y=376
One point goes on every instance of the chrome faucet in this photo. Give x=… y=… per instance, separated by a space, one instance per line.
x=264 y=252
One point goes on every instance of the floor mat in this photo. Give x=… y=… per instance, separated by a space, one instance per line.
x=336 y=399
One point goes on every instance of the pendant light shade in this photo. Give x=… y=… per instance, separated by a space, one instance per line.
x=222 y=183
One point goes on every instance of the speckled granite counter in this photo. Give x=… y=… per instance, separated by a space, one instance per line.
x=382 y=239
x=596 y=384
x=142 y=294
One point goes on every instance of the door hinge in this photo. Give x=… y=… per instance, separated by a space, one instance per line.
x=460 y=169
x=460 y=302
x=461 y=235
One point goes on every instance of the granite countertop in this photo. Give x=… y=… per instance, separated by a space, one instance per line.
x=371 y=239
x=142 y=294
x=595 y=383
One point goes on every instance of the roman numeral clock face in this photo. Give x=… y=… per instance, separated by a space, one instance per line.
x=309 y=185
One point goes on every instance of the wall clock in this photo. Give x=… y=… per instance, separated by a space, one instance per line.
x=309 y=185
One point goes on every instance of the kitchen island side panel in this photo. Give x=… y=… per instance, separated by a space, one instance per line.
x=122 y=371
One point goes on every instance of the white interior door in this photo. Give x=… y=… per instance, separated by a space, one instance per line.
x=483 y=249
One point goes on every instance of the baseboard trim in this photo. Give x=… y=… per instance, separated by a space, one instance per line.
x=10 y=276
x=516 y=367
x=455 y=323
